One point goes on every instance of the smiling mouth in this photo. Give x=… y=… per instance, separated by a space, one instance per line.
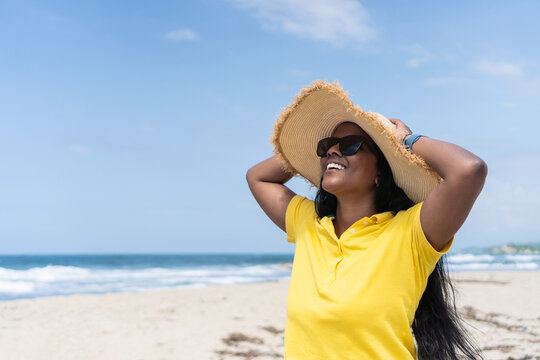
x=334 y=167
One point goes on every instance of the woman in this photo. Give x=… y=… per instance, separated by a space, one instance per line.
x=367 y=264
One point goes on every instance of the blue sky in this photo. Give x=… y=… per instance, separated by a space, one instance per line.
x=129 y=126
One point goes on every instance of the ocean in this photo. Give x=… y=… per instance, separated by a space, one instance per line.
x=31 y=276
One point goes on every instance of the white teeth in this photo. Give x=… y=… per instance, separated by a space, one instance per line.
x=334 y=166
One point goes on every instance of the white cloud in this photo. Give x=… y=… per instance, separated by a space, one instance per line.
x=337 y=22
x=419 y=56
x=524 y=87
x=181 y=34
x=416 y=62
x=79 y=149
x=498 y=68
x=509 y=104
x=505 y=206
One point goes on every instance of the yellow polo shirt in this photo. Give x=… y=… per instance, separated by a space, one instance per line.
x=354 y=297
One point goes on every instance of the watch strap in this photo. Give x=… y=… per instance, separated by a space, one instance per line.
x=408 y=142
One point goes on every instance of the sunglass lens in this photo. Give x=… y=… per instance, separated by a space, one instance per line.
x=350 y=145
x=352 y=149
x=324 y=145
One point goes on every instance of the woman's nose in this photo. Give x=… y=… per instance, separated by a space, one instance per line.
x=334 y=150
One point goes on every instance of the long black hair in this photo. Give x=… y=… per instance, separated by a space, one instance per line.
x=437 y=325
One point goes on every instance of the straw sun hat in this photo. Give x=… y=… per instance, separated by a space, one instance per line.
x=317 y=111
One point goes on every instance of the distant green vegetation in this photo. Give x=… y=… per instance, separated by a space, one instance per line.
x=510 y=248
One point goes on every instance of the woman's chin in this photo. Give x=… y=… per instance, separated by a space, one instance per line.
x=331 y=186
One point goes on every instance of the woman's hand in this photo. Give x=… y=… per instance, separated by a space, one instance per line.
x=402 y=130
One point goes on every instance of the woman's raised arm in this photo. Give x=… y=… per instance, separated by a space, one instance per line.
x=448 y=205
x=266 y=181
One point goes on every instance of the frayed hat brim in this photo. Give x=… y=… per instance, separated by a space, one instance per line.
x=314 y=114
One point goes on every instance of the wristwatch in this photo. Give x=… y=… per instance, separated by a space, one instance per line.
x=409 y=140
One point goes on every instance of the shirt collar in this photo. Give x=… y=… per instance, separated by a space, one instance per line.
x=374 y=219
x=382 y=217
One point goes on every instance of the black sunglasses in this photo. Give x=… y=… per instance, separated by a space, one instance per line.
x=348 y=145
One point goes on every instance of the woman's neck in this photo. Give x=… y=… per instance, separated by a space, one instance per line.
x=351 y=209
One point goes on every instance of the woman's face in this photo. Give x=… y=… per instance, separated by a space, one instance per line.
x=360 y=171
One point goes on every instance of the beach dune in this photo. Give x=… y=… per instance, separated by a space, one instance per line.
x=238 y=321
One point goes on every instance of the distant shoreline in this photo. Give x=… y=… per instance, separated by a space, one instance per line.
x=42 y=276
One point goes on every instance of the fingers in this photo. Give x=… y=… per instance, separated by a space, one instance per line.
x=395 y=121
x=398 y=123
x=401 y=127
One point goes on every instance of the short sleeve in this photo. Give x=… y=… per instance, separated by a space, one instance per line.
x=424 y=252
x=294 y=215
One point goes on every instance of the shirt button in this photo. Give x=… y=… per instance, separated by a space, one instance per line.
x=366 y=222
x=352 y=231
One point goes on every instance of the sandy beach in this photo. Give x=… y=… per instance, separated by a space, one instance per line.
x=238 y=321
